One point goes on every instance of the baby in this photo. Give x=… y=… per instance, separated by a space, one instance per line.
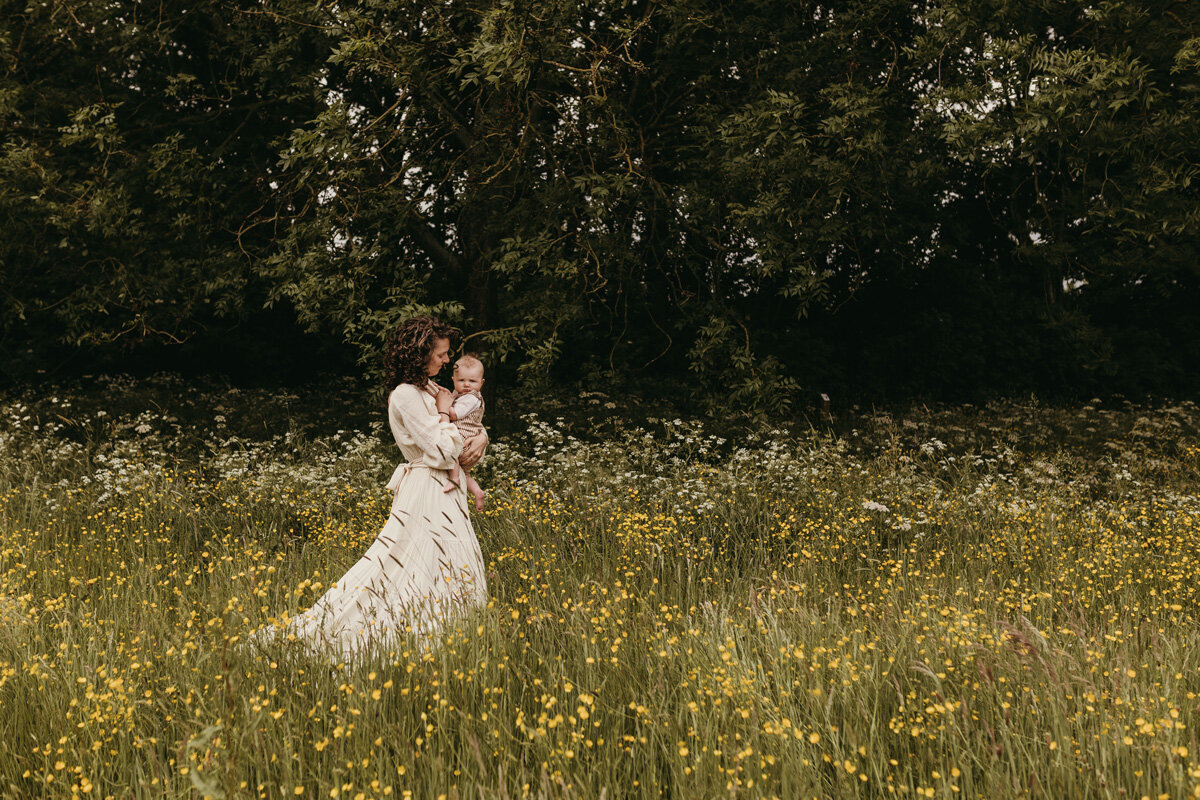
x=467 y=414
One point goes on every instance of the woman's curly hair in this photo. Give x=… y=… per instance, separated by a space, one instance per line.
x=407 y=350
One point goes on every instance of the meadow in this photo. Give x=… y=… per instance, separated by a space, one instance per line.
x=977 y=601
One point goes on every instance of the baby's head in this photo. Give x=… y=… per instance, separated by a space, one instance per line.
x=468 y=374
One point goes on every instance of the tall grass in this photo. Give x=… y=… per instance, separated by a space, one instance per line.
x=993 y=602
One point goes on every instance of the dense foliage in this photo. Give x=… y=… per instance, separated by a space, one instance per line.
x=749 y=198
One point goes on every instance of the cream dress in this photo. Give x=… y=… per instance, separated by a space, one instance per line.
x=422 y=567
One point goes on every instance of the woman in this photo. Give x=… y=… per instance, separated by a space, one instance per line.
x=425 y=563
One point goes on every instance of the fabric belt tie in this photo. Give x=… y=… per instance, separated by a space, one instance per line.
x=401 y=470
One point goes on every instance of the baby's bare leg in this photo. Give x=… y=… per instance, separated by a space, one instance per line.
x=473 y=487
x=452 y=484
x=475 y=490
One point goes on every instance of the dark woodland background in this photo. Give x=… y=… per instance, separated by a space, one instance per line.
x=732 y=204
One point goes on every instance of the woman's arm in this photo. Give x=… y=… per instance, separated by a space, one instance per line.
x=473 y=450
x=439 y=439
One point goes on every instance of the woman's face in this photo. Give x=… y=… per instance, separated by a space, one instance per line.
x=438 y=357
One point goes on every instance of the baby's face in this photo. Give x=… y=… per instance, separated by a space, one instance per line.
x=468 y=378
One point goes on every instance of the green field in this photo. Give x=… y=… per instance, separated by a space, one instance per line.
x=996 y=601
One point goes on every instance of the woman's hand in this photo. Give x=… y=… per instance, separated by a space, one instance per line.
x=473 y=450
x=444 y=400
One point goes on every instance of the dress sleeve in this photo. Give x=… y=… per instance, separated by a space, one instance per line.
x=440 y=442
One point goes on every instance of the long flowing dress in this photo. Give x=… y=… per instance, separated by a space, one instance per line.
x=423 y=566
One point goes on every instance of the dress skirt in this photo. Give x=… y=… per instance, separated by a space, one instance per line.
x=422 y=568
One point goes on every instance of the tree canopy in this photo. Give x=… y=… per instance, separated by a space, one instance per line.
x=738 y=201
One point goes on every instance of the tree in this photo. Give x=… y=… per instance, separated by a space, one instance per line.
x=726 y=200
x=138 y=141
